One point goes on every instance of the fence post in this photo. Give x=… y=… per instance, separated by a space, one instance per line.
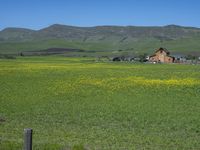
x=28 y=139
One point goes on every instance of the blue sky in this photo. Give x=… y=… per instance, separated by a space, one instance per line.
x=36 y=14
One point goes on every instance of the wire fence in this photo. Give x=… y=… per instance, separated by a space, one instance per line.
x=26 y=143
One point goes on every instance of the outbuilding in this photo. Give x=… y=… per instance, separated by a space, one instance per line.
x=162 y=55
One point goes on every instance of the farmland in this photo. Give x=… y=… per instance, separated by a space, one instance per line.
x=77 y=103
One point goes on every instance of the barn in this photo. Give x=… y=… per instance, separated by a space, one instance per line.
x=162 y=55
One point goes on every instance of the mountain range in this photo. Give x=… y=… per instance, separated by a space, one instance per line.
x=136 y=39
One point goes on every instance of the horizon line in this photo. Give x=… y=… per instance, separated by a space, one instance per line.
x=92 y=26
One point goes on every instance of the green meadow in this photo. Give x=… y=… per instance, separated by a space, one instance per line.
x=78 y=103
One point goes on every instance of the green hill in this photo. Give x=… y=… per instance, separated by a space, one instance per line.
x=101 y=38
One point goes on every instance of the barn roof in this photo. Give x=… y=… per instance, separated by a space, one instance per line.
x=163 y=49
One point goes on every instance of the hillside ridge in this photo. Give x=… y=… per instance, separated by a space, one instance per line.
x=131 y=38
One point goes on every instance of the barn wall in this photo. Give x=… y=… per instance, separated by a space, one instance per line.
x=162 y=57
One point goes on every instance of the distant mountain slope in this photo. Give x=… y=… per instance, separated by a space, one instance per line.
x=132 y=38
x=16 y=34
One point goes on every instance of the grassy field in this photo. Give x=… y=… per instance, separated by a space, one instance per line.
x=77 y=103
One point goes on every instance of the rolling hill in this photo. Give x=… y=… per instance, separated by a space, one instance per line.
x=133 y=39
